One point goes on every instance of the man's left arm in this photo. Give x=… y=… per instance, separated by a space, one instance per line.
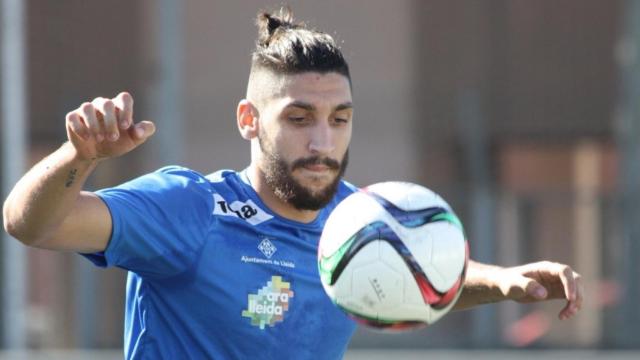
x=532 y=282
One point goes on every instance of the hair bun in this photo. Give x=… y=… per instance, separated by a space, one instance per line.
x=268 y=24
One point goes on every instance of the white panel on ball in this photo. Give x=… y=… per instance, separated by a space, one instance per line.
x=355 y=214
x=448 y=257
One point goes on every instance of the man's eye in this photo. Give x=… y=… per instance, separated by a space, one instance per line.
x=340 y=120
x=297 y=119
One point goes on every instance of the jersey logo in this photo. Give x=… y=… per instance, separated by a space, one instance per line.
x=267 y=248
x=248 y=211
x=269 y=305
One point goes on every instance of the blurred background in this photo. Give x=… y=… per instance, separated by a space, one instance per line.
x=524 y=115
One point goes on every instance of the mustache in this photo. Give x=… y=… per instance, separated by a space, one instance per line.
x=316 y=160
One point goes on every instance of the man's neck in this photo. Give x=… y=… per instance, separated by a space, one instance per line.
x=284 y=209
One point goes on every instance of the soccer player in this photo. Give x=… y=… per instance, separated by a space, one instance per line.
x=224 y=266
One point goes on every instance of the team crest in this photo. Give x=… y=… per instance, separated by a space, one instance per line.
x=267 y=248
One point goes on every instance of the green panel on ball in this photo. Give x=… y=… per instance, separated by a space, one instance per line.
x=450 y=218
x=327 y=265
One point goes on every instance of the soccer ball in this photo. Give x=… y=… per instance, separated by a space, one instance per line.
x=393 y=256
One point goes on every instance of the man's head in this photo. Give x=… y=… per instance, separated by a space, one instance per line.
x=297 y=112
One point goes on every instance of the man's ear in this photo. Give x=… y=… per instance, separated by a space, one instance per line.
x=247 y=118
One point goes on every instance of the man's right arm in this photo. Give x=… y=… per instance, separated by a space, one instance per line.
x=47 y=207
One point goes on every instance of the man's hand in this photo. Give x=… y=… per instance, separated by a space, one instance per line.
x=47 y=207
x=533 y=282
x=543 y=281
x=104 y=128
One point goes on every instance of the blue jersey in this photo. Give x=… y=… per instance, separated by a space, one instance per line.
x=215 y=274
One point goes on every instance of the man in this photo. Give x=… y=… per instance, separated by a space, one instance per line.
x=195 y=246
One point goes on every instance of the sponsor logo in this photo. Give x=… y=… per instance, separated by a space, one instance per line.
x=269 y=304
x=247 y=211
x=267 y=248
x=255 y=260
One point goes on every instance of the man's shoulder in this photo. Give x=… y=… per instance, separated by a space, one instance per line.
x=224 y=182
x=180 y=171
x=166 y=180
x=222 y=175
x=173 y=176
x=215 y=178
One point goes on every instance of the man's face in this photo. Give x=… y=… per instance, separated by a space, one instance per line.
x=305 y=129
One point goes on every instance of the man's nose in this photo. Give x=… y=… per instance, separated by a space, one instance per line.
x=322 y=139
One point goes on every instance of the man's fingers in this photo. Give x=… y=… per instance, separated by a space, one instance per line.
x=580 y=290
x=88 y=113
x=107 y=109
x=104 y=128
x=77 y=126
x=573 y=306
x=141 y=131
x=565 y=274
x=559 y=278
x=554 y=281
x=572 y=288
x=522 y=287
x=124 y=103
x=535 y=289
x=567 y=311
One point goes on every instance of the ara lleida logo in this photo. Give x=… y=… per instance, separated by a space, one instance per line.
x=269 y=305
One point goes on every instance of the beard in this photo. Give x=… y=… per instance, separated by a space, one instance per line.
x=278 y=175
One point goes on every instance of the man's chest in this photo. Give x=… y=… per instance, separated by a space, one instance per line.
x=256 y=290
x=262 y=278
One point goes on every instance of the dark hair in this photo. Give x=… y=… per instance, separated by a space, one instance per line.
x=287 y=47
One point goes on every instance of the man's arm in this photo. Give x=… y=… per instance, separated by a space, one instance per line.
x=526 y=283
x=47 y=208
